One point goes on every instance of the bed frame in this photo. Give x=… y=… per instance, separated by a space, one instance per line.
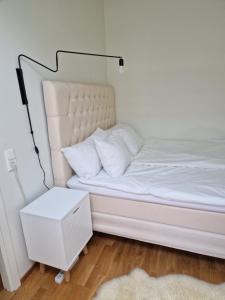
x=74 y=111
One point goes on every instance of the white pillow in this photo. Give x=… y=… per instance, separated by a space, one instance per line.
x=83 y=157
x=133 y=141
x=99 y=134
x=114 y=155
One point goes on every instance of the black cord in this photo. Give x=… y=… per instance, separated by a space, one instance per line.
x=36 y=148
x=39 y=160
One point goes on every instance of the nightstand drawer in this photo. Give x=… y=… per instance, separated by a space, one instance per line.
x=77 y=229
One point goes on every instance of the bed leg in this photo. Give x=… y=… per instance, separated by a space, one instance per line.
x=42 y=268
x=85 y=250
x=67 y=276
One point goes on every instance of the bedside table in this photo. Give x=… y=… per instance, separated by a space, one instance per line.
x=57 y=227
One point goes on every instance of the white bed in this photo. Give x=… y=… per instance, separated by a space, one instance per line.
x=172 y=194
x=178 y=173
x=74 y=183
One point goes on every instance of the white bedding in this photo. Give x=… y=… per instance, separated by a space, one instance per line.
x=180 y=171
x=183 y=153
x=74 y=183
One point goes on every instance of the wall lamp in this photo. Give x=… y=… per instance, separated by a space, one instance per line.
x=23 y=93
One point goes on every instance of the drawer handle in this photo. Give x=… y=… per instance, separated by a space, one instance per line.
x=76 y=210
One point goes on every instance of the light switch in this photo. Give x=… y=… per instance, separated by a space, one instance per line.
x=10 y=159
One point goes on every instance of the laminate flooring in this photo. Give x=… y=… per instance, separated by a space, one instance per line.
x=109 y=257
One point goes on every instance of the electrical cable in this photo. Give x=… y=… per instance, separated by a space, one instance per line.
x=35 y=147
x=20 y=185
x=40 y=163
x=37 y=150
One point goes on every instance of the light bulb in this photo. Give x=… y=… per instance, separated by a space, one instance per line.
x=121 y=69
x=121 y=64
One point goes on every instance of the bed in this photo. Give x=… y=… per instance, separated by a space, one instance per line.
x=74 y=111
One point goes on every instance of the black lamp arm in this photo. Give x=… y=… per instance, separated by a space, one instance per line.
x=68 y=52
x=19 y=70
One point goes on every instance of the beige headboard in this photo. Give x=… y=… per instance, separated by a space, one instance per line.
x=74 y=111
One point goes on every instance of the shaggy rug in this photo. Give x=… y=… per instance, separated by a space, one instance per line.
x=138 y=285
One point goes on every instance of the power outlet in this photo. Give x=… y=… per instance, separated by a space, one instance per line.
x=10 y=159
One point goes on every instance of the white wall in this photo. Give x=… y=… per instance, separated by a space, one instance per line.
x=38 y=29
x=174 y=51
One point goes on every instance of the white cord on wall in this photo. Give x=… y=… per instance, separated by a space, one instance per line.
x=19 y=185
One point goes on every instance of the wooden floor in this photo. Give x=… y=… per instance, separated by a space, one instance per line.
x=109 y=257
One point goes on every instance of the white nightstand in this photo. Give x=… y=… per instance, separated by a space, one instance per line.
x=57 y=227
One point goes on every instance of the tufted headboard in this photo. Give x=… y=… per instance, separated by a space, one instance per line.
x=73 y=112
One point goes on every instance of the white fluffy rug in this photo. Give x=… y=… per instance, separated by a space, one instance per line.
x=138 y=285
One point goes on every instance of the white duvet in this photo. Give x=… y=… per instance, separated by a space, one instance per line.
x=183 y=153
x=184 y=171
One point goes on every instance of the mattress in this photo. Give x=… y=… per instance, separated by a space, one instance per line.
x=180 y=173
